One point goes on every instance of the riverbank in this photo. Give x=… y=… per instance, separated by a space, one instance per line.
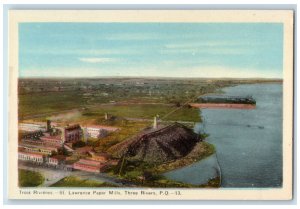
x=145 y=174
x=248 y=141
x=222 y=106
x=199 y=152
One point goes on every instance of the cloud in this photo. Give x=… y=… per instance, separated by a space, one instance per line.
x=201 y=44
x=98 y=60
x=134 y=37
x=212 y=51
x=80 y=52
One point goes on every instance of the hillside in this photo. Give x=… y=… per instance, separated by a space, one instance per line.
x=158 y=145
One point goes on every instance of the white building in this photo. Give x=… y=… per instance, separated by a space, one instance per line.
x=31 y=127
x=32 y=157
x=98 y=131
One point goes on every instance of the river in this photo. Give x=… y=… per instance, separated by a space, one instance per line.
x=248 y=141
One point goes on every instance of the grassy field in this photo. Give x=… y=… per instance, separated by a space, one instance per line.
x=51 y=105
x=73 y=181
x=30 y=178
x=39 y=103
x=128 y=129
x=145 y=111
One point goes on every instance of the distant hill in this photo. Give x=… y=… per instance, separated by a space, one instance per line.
x=158 y=145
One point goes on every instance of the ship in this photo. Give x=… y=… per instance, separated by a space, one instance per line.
x=226 y=99
x=224 y=102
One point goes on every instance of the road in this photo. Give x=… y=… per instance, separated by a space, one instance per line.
x=54 y=175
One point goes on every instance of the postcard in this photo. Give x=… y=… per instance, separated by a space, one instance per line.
x=150 y=104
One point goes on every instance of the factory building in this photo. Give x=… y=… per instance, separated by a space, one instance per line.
x=31 y=157
x=32 y=127
x=99 y=157
x=56 y=161
x=48 y=150
x=72 y=133
x=55 y=140
x=89 y=165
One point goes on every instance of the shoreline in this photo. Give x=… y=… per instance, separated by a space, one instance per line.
x=222 y=106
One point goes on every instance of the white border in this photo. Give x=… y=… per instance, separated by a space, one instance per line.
x=165 y=16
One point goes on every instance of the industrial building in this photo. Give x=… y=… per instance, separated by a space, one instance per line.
x=89 y=165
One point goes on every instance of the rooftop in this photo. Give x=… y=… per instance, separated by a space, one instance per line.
x=102 y=127
x=72 y=127
x=32 y=154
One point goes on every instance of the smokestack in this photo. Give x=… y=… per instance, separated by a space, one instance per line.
x=63 y=135
x=48 y=125
x=85 y=134
x=155 y=123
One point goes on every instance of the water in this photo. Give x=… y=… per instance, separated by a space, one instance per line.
x=248 y=142
x=198 y=173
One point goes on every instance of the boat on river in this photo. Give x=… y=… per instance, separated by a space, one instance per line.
x=225 y=101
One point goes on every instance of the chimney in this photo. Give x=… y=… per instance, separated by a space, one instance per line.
x=85 y=134
x=63 y=135
x=155 y=123
x=48 y=125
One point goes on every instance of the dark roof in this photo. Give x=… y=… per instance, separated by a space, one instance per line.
x=72 y=127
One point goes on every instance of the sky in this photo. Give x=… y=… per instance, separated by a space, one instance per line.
x=204 y=50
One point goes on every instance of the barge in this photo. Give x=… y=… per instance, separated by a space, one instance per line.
x=221 y=102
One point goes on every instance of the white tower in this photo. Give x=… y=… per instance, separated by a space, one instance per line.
x=155 y=123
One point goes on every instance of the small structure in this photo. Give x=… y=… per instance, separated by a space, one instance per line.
x=155 y=123
x=99 y=131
